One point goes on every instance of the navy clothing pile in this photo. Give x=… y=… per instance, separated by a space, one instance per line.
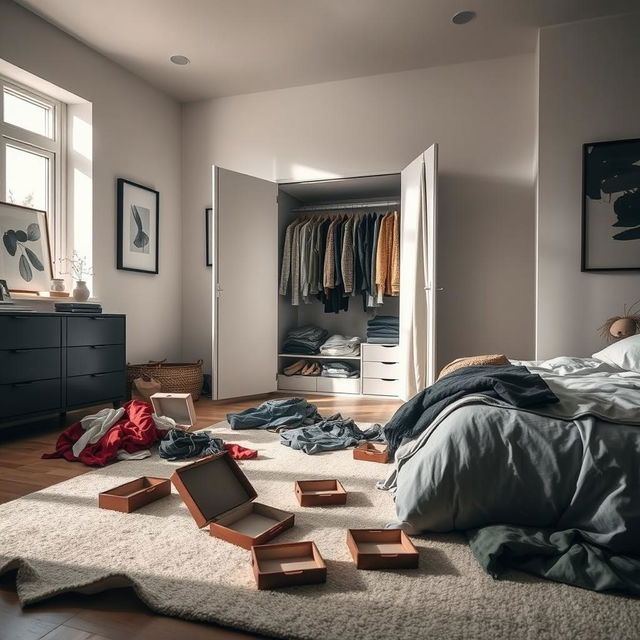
x=383 y=330
x=513 y=384
x=286 y=413
x=178 y=444
x=330 y=434
x=305 y=340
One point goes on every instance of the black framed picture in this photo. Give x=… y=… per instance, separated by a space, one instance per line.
x=208 y=226
x=611 y=206
x=138 y=213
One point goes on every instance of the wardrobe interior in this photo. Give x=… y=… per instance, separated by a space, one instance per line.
x=337 y=197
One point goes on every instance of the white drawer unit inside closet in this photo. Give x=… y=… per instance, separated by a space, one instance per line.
x=380 y=369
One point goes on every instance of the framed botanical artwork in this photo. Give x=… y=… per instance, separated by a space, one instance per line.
x=138 y=213
x=208 y=226
x=25 y=255
x=611 y=206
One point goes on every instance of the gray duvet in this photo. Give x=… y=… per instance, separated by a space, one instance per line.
x=554 y=490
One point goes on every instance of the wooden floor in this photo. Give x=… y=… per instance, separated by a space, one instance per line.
x=115 y=614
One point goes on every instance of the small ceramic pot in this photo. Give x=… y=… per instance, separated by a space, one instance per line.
x=57 y=284
x=81 y=292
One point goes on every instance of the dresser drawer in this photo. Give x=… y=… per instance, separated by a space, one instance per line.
x=381 y=370
x=22 y=365
x=339 y=385
x=377 y=387
x=380 y=353
x=95 y=388
x=91 y=330
x=29 y=397
x=297 y=383
x=97 y=359
x=29 y=332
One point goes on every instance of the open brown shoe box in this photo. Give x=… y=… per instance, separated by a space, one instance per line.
x=286 y=565
x=178 y=406
x=218 y=494
x=134 y=494
x=316 y=493
x=372 y=451
x=382 y=549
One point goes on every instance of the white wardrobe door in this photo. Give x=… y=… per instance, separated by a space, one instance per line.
x=245 y=284
x=418 y=273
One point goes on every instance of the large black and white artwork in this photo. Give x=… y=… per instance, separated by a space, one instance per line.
x=25 y=257
x=611 y=206
x=138 y=227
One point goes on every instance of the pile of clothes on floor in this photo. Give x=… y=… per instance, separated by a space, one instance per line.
x=383 y=330
x=301 y=426
x=128 y=433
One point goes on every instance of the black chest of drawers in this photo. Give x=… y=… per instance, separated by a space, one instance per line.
x=51 y=363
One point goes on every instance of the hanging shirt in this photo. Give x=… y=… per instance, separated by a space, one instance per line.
x=346 y=260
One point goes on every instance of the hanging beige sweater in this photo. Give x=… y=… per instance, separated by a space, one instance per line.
x=393 y=277
x=383 y=255
x=328 y=278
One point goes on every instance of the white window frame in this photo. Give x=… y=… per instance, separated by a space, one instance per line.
x=53 y=148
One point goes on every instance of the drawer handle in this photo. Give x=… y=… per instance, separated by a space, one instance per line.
x=21 y=384
x=388 y=363
x=19 y=350
x=388 y=379
x=96 y=318
x=97 y=375
x=388 y=555
x=292 y=573
x=98 y=346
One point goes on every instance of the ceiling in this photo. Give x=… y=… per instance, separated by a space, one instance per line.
x=244 y=46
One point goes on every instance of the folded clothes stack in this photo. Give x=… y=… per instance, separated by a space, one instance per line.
x=338 y=345
x=302 y=368
x=338 y=370
x=383 y=330
x=304 y=340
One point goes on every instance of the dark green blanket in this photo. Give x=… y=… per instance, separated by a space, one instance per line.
x=563 y=556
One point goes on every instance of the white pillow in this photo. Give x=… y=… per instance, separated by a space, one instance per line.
x=624 y=354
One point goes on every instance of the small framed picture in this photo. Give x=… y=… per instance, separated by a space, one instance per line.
x=4 y=291
x=25 y=256
x=611 y=206
x=208 y=226
x=138 y=212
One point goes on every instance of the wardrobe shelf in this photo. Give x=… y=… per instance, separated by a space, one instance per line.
x=304 y=356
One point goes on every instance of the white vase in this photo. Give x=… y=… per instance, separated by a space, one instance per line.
x=57 y=284
x=81 y=292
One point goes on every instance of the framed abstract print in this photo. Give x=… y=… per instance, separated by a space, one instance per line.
x=138 y=213
x=611 y=206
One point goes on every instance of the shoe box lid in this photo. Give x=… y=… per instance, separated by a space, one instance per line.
x=178 y=406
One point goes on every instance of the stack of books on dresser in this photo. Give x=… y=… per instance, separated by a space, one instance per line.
x=78 y=307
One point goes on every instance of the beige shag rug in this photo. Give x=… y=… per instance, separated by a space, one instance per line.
x=60 y=541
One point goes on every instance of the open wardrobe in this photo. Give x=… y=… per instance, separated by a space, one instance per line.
x=325 y=286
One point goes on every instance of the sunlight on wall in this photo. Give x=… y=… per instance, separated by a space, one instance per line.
x=80 y=187
x=300 y=172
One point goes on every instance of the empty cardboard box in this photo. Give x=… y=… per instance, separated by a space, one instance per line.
x=178 y=406
x=316 y=493
x=285 y=565
x=382 y=549
x=218 y=494
x=372 y=451
x=135 y=494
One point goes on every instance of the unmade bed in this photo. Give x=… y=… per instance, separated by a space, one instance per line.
x=552 y=489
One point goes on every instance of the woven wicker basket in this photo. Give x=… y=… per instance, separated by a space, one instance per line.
x=173 y=376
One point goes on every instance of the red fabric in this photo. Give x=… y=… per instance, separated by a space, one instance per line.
x=240 y=453
x=133 y=432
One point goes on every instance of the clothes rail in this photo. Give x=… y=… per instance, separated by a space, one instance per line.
x=346 y=205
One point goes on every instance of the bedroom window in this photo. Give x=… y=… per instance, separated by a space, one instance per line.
x=32 y=155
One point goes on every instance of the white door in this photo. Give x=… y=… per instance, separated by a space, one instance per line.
x=418 y=273
x=245 y=284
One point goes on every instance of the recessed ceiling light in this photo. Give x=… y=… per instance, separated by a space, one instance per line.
x=181 y=60
x=462 y=17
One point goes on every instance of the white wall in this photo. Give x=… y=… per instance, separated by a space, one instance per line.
x=589 y=91
x=483 y=116
x=136 y=135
